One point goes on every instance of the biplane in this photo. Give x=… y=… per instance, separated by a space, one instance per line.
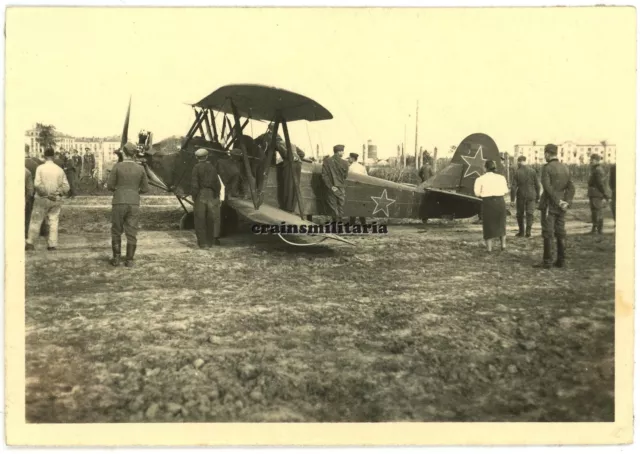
x=256 y=182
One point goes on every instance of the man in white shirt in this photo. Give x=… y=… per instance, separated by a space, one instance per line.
x=356 y=168
x=50 y=184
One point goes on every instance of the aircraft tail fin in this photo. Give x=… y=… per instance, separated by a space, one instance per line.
x=467 y=164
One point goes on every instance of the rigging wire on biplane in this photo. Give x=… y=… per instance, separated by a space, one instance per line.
x=302 y=244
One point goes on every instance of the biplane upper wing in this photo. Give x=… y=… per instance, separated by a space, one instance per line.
x=264 y=103
x=268 y=214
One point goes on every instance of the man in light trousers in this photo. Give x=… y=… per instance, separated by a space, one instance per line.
x=50 y=184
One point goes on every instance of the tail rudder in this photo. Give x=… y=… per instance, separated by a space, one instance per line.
x=468 y=164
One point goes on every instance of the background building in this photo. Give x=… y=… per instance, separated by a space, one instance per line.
x=568 y=152
x=102 y=148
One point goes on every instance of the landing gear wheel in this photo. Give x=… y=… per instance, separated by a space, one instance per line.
x=187 y=221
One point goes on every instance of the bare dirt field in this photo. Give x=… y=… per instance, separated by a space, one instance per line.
x=418 y=325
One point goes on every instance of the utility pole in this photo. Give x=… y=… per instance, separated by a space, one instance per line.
x=415 y=150
x=404 y=154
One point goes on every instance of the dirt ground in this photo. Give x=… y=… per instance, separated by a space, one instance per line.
x=418 y=325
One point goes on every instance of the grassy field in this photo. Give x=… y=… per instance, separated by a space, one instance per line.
x=420 y=325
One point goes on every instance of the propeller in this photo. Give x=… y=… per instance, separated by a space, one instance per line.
x=125 y=129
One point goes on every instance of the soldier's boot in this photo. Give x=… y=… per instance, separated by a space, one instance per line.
x=546 y=255
x=600 y=225
x=560 y=263
x=529 y=224
x=131 y=251
x=594 y=223
x=116 y=249
x=520 y=227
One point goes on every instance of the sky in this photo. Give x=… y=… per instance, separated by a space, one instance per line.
x=544 y=74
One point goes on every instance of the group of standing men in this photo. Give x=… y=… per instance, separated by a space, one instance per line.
x=50 y=183
x=557 y=196
x=335 y=171
x=75 y=167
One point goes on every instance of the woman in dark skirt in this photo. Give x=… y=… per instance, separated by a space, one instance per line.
x=491 y=188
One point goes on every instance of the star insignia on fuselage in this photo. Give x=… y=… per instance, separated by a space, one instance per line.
x=382 y=203
x=475 y=162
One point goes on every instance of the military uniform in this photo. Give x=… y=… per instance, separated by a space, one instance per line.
x=77 y=164
x=28 y=200
x=612 y=185
x=425 y=172
x=205 y=189
x=596 y=192
x=70 y=172
x=525 y=190
x=89 y=164
x=334 y=175
x=557 y=186
x=127 y=180
x=286 y=168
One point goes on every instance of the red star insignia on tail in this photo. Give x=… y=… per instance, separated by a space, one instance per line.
x=475 y=162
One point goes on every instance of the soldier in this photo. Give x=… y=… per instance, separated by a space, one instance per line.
x=89 y=163
x=425 y=171
x=70 y=172
x=334 y=175
x=556 y=199
x=288 y=168
x=525 y=190
x=50 y=184
x=356 y=168
x=59 y=159
x=28 y=200
x=77 y=164
x=596 y=192
x=205 y=189
x=612 y=185
x=127 y=180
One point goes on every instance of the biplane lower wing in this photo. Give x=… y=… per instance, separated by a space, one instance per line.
x=270 y=215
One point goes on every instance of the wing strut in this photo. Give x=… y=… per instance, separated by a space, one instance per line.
x=269 y=156
x=294 y=176
x=245 y=157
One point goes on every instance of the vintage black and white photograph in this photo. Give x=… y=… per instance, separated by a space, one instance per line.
x=336 y=215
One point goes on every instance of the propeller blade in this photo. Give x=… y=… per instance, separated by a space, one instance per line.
x=125 y=129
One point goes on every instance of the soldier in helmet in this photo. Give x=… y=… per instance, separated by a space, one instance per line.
x=127 y=180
